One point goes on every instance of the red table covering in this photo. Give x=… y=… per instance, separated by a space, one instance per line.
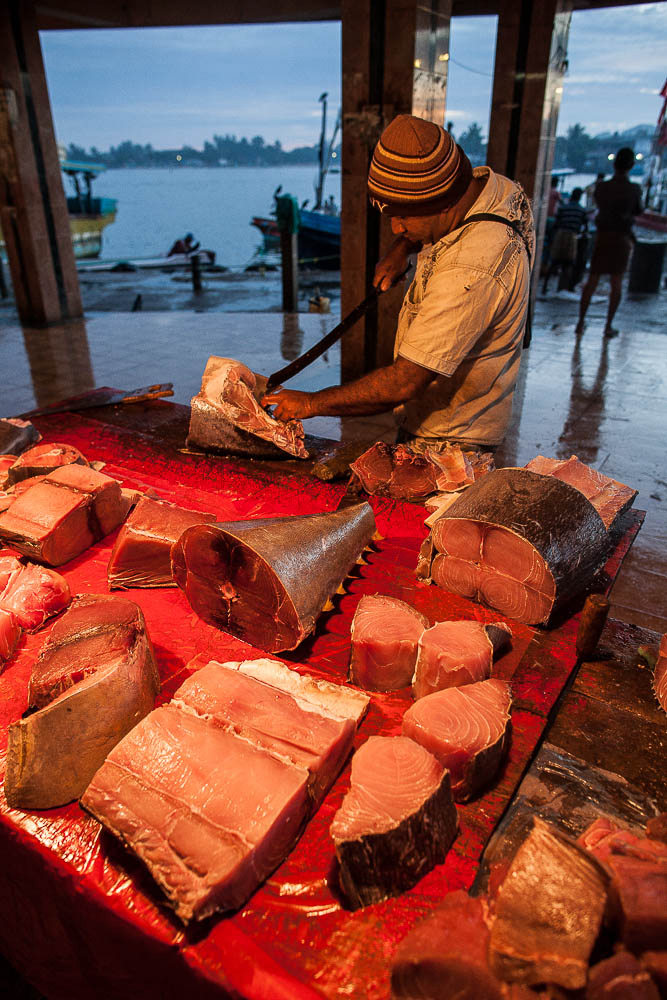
x=80 y=917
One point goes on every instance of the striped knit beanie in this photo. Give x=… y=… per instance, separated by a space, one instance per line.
x=417 y=169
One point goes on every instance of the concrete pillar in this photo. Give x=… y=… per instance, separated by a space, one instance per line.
x=33 y=206
x=394 y=62
x=531 y=58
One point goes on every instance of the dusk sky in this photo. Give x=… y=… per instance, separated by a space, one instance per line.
x=174 y=86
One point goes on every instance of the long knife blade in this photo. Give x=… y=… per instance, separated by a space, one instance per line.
x=103 y=397
x=294 y=367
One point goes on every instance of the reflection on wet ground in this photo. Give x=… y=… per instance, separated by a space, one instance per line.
x=603 y=400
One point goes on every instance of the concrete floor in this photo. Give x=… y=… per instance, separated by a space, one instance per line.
x=603 y=400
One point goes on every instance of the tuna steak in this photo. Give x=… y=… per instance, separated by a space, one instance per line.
x=177 y=792
x=43 y=459
x=94 y=680
x=637 y=895
x=620 y=977
x=267 y=580
x=394 y=471
x=548 y=912
x=454 y=653
x=33 y=593
x=141 y=556
x=445 y=956
x=385 y=633
x=609 y=497
x=397 y=821
x=521 y=543
x=660 y=674
x=226 y=415
x=467 y=729
x=61 y=516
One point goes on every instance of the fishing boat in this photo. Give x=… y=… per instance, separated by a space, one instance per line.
x=319 y=227
x=88 y=216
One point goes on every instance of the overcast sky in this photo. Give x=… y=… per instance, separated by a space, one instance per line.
x=174 y=86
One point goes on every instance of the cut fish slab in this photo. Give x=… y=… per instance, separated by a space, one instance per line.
x=385 y=634
x=95 y=678
x=609 y=497
x=467 y=729
x=226 y=416
x=141 y=556
x=212 y=790
x=451 y=654
x=63 y=514
x=397 y=821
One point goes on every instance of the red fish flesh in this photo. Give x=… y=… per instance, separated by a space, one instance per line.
x=609 y=497
x=226 y=416
x=400 y=472
x=467 y=729
x=620 y=977
x=660 y=674
x=95 y=678
x=33 y=593
x=6 y=462
x=43 y=459
x=141 y=556
x=213 y=797
x=520 y=542
x=61 y=516
x=397 y=821
x=267 y=580
x=445 y=956
x=454 y=653
x=637 y=893
x=385 y=633
x=10 y=633
x=308 y=724
x=549 y=910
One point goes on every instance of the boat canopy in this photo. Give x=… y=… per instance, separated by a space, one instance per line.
x=76 y=166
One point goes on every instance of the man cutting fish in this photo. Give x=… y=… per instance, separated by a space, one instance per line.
x=461 y=327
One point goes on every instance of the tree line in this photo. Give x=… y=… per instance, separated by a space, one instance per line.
x=224 y=150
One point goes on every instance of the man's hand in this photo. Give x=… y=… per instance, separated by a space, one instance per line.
x=288 y=404
x=394 y=264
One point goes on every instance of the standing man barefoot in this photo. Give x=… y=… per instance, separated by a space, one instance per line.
x=618 y=201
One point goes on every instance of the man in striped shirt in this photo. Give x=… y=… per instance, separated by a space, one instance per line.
x=571 y=220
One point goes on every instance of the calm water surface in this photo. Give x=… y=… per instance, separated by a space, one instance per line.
x=155 y=206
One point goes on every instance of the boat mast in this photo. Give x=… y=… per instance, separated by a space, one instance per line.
x=322 y=171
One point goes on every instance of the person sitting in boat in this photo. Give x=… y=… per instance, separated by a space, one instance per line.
x=461 y=328
x=185 y=245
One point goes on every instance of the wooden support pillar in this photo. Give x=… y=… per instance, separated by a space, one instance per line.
x=394 y=62
x=33 y=206
x=531 y=58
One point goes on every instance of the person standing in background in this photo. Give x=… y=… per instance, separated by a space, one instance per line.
x=618 y=202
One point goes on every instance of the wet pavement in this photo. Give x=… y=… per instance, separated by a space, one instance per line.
x=603 y=400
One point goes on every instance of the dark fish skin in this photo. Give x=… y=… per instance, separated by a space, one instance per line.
x=16 y=436
x=268 y=580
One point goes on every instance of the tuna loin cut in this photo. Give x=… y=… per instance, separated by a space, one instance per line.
x=467 y=729
x=609 y=497
x=521 y=543
x=10 y=633
x=226 y=416
x=445 y=956
x=454 y=653
x=62 y=515
x=212 y=790
x=267 y=580
x=548 y=912
x=43 y=459
x=620 y=977
x=394 y=471
x=385 y=633
x=308 y=724
x=141 y=556
x=94 y=680
x=397 y=821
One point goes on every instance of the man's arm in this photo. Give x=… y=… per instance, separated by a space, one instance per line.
x=394 y=263
x=380 y=390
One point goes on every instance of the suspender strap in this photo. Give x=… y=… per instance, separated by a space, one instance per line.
x=490 y=217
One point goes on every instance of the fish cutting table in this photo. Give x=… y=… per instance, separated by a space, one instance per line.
x=80 y=917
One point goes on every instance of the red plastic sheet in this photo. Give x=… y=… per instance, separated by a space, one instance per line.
x=80 y=917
